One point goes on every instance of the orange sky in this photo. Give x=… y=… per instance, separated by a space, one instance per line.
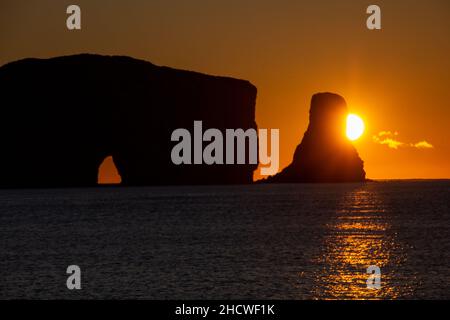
x=396 y=79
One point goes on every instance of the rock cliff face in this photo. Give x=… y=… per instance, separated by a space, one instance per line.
x=60 y=117
x=325 y=154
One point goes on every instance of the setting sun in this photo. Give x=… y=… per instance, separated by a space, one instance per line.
x=355 y=127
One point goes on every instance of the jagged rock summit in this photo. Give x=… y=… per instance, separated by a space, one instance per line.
x=324 y=154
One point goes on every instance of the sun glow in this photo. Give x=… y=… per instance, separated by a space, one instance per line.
x=355 y=127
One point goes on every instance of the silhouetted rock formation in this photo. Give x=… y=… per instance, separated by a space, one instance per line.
x=61 y=117
x=325 y=154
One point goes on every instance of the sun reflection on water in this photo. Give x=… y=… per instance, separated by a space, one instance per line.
x=359 y=236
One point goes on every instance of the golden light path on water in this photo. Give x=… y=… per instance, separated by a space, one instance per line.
x=358 y=237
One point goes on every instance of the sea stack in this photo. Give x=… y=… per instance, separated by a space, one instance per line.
x=324 y=154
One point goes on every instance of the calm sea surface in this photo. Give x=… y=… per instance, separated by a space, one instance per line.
x=211 y=242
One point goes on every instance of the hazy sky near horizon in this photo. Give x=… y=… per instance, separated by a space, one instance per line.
x=397 y=79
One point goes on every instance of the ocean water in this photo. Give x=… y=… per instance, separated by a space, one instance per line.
x=289 y=241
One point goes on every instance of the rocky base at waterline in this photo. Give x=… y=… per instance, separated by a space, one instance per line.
x=324 y=154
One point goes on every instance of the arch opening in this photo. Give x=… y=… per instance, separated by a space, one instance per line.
x=108 y=173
